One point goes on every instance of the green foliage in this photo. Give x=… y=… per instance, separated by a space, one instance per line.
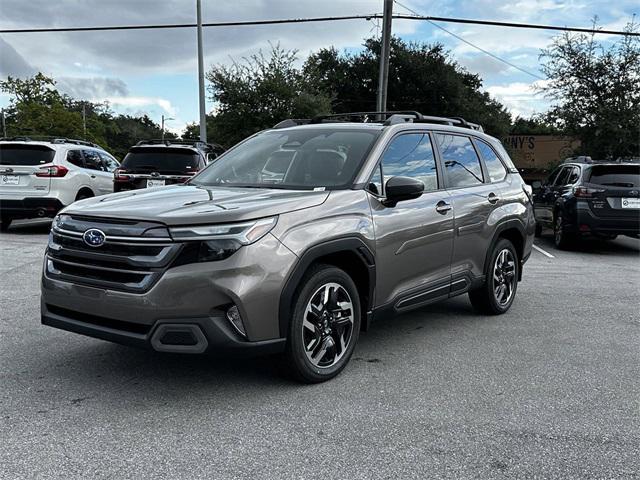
x=421 y=77
x=259 y=93
x=537 y=125
x=38 y=109
x=596 y=92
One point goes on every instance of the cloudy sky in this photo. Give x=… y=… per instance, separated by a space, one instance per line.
x=154 y=71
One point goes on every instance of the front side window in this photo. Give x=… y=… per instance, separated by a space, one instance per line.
x=92 y=160
x=411 y=155
x=304 y=158
x=495 y=168
x=460 y=160
x=563 y=178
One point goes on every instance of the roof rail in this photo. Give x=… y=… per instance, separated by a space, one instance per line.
x=50 y=139
x=386 y=118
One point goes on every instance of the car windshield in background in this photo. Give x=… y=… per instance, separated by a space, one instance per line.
x=616 y=175
x=297 y=159
x=163 y=160
x=25 y=155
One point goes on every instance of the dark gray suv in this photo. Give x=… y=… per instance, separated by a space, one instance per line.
x=295 y=240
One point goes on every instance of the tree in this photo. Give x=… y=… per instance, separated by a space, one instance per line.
x=596 y=91
x=37 y=108
x=258 y=93
x=421 y=77
x=536 y=125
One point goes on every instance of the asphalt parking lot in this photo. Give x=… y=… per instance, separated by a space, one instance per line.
x=551 y=389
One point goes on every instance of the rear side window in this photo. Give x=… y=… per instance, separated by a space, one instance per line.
x=460 y=160
x=25 y=155
x=616 y=175
x=574 y=176
x=74 y=157
x=92 y=160
x=108 y=163
x=495 y=168
x=163 y=160
x=411 y=155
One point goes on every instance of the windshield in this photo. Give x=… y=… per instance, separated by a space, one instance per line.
x=24 y=155
x=163 y=160
x=296 y=159
x=616 y=175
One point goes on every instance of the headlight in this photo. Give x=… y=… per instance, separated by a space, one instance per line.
x=217 y=242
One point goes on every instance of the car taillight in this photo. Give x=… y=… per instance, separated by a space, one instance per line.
x=119 y=175
x=52 y=171
x=586 y=192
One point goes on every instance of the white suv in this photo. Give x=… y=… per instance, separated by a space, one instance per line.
x=38 y=178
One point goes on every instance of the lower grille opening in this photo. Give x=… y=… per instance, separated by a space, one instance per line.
x=178 y=338
x=100 y=321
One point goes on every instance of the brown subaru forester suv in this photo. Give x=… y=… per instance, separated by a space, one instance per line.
x=295 y=240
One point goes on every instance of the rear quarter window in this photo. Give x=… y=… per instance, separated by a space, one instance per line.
x=615 y=175
x=25 y=155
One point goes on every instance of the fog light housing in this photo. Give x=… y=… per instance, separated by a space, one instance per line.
x=234 y=317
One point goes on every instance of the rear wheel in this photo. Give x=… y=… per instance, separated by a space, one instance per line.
x=499 y=290
x=561 y=238
x=82 y=194
x=5 y=222
x=325 y=325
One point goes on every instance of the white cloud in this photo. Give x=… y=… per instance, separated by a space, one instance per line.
x=521 y=99
x=137 y=102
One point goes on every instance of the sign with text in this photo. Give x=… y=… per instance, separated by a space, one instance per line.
x=539 y=151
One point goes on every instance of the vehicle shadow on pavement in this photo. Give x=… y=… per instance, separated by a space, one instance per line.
x=103 y=367
x=624 y=246
x=30 y=227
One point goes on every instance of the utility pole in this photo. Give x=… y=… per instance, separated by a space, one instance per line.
x=163 y=120
x=4 y=125
x=203 y=110
x=383 y=79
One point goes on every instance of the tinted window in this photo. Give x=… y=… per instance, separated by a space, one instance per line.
x=495 y=167
x=108 y=163
x=17 y=154
x=563 y=177
x=411 y=155
x=163 y=160
x=460 y=159
x=320 y=157
x=574 y=176
x=616 y=175
x=552 y=176
x=74 y=157
x=92 y=160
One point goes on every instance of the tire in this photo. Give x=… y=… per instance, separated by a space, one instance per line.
x=5 y=223
x=325 y=325
x=83 y=195
x=562 y=239
x=538 y=232
x=496 y=296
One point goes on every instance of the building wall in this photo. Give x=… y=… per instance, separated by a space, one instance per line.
x=535 y=155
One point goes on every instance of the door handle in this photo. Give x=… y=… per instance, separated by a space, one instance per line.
x=443 y=207
x=93 y=176
x=493 y=198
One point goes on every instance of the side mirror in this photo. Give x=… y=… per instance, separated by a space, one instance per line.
x=211 y=157
x=536 y=185
x=398 y=189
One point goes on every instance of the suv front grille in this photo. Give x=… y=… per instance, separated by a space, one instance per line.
x=131 y=263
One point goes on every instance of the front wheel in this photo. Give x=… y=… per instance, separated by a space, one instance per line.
x=499 y=290
x=325 y=325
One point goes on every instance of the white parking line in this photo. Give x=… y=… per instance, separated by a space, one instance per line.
x=547 y=254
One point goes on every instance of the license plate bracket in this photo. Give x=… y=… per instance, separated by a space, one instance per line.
x=9 y=180
x=155 y=183
x=630 y=203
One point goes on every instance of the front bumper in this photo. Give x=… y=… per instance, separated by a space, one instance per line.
x=31 y=207
x=193 y=295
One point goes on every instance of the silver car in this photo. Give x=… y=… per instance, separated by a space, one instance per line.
x=295 y=240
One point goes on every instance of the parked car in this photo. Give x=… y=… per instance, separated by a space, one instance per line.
x=352 y=221
x=155 y=163
x=40 y=177
x=582 y=198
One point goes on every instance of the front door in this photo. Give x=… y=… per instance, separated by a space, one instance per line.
x=414 y=239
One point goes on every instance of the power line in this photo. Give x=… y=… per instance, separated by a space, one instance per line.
x=486 y=52
x=417 y=17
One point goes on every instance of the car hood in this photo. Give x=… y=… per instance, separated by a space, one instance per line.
x=190 y=205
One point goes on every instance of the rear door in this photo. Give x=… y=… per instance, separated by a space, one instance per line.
x=414 y=239
x=613 y=190
x=19 y=163
x=474 y=198
x=101 y=179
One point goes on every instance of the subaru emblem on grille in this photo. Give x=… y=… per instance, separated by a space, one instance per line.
x=94 y=237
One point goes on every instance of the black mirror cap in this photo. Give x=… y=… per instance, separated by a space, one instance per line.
x=398 y=189
x=536 y=185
